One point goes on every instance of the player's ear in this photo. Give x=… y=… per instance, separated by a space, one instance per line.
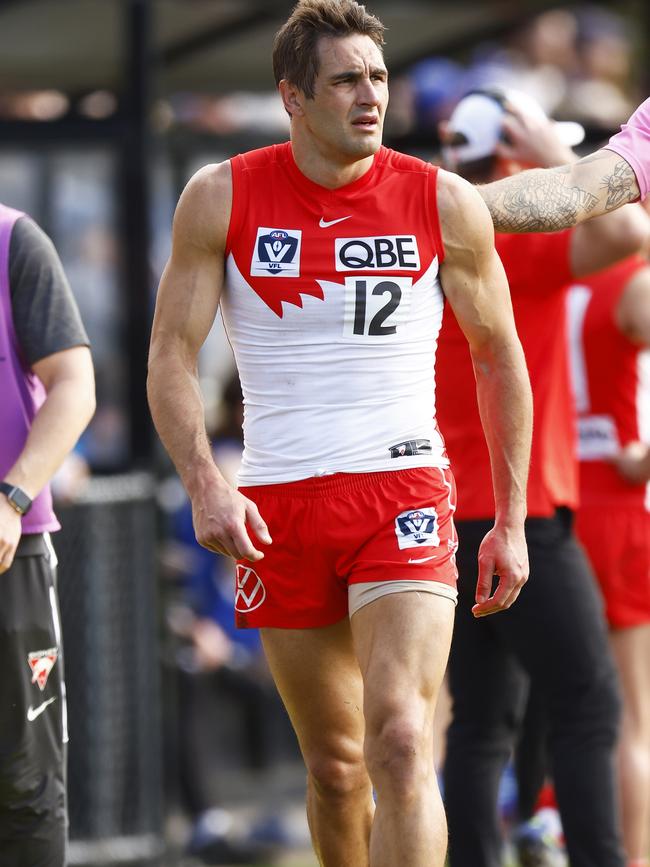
x=292 y=98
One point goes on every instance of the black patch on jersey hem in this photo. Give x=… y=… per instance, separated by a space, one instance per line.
x=410 y=447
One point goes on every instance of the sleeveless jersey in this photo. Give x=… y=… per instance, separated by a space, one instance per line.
x=21 y=390
x=333 y=306
x=611 y=378
x=538 y=271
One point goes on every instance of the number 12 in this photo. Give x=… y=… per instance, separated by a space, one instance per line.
x=376 y=327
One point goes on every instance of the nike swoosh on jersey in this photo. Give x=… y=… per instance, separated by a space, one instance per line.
x=325 y=223
x=33 y=712
x=422 y=559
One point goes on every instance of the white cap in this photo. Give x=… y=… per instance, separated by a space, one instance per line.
x=478 y=118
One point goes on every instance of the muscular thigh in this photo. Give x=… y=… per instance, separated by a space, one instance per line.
x=318 y=677
x=402 y=643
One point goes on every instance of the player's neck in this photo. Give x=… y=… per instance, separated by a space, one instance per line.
x=327 y=171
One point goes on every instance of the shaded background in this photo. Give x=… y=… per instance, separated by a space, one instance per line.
x=106 y=108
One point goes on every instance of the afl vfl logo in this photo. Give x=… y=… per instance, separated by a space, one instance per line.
x=276 y=252
x=250 y=592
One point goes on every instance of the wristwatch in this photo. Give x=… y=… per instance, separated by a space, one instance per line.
x=18 y=499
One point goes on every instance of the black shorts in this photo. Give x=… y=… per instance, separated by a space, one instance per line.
x=33 y=820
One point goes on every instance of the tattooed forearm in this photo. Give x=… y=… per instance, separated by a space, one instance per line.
x=621 y=186
x=545 y=200
x=536 y=201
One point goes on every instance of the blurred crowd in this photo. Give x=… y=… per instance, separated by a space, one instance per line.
x=578 y=64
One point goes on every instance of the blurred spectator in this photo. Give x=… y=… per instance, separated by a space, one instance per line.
x=598 y=93
x=575 y=63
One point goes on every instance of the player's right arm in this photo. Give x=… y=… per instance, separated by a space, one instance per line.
x=545 y=200
x=187 y=302
x=475 y=285
x=595 y=244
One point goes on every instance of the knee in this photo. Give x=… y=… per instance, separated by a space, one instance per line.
x=337 y=775
x=399 y=755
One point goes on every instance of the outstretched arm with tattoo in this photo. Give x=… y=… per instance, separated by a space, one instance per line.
x=545 y=200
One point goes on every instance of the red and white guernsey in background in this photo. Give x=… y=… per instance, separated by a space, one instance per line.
x=612 y=386
x=538 y=301
x=333 y=307
x=611 y=379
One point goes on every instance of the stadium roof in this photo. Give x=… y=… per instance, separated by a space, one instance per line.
x=78 y=46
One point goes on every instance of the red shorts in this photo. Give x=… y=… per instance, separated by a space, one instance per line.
x=617 y=541
x=347 y=528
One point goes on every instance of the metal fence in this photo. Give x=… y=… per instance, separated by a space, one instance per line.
x=108 y=596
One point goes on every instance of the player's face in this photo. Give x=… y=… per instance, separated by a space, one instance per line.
x=346 y=115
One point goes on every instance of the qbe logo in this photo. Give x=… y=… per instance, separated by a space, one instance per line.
x=276 y=252
x=385 y=253
x=250 y=593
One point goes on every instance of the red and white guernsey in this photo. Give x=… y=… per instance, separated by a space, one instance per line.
x=611 y=377
x=333 y=307
x=538 y=267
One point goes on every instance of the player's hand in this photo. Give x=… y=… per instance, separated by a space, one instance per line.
x=531 y=140
x=222 y=517
x=10 y=531
x=503 y=554
x=633 y=462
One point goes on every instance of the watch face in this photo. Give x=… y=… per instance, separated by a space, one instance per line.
x=21 y=500
x=18 y=499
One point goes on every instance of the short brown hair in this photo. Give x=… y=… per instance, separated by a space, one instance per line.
x=294 y=49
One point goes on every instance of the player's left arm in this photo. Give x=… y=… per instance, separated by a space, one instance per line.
x=475 y=284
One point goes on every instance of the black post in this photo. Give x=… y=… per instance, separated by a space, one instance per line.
x=135 y=154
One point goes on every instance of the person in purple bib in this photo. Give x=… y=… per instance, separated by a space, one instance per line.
x=48 y=398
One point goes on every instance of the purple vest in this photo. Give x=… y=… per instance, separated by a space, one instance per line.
x=21 y=391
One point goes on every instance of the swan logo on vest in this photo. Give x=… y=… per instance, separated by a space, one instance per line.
x=250 y=593
x=276 y=252
x=41 y=663
x=417 y=527
x=387 y=253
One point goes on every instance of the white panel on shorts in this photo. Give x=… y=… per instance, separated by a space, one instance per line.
x=366 y=592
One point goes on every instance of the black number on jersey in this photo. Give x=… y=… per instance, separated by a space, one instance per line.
x=376 y=327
